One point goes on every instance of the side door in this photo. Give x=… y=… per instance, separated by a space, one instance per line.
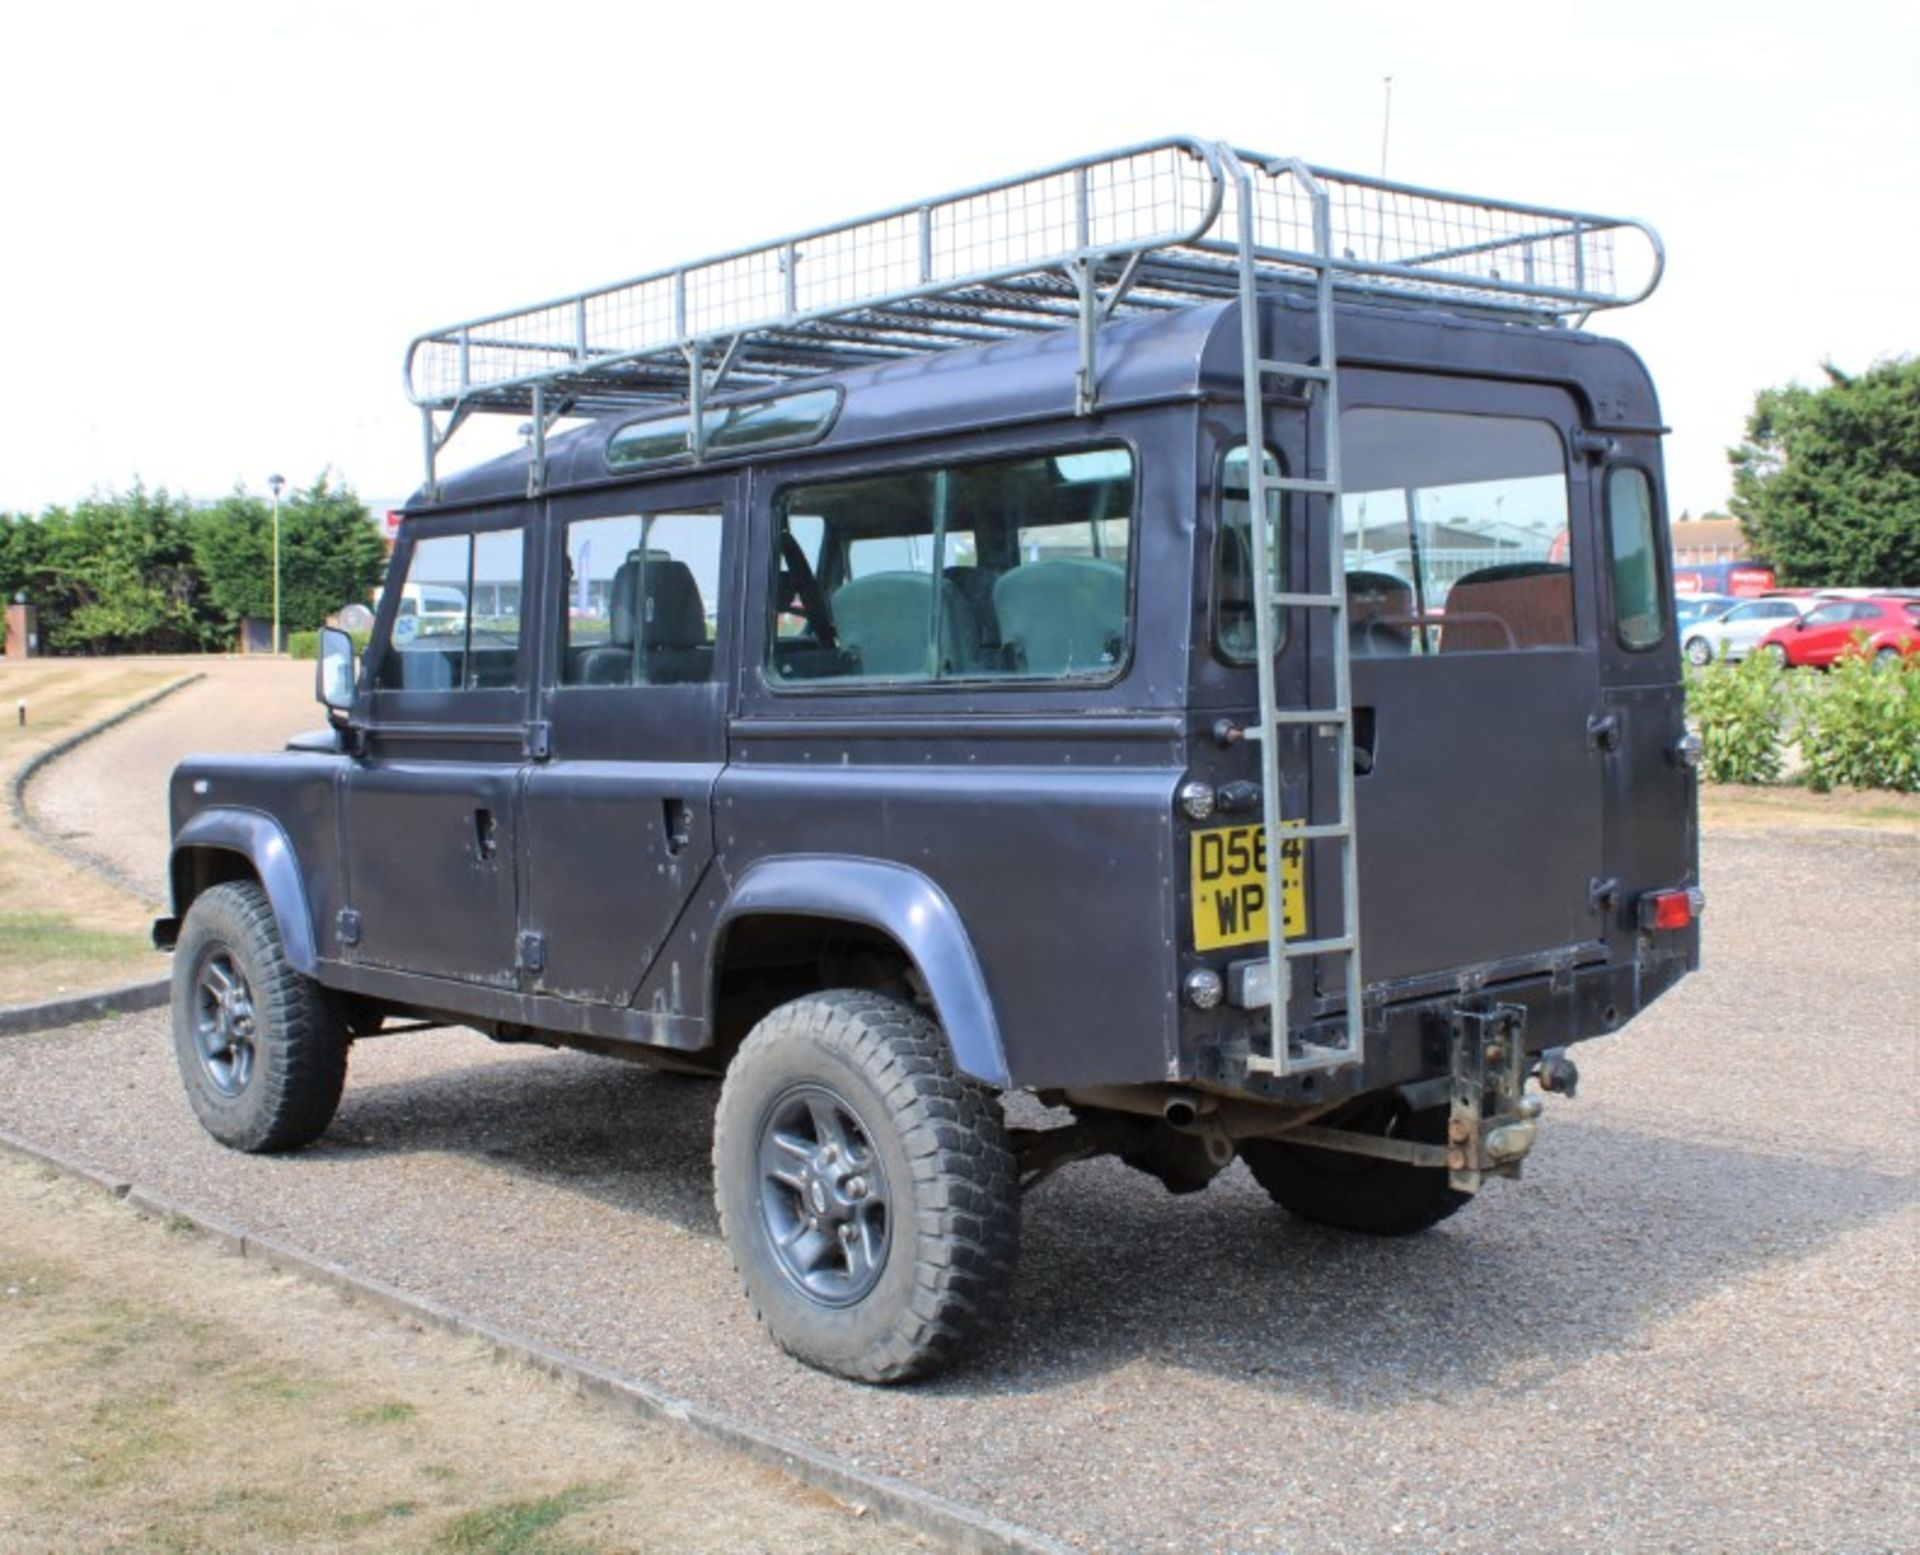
x=618 y=818
x=428 y=809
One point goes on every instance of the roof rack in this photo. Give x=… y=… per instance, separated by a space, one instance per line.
x=1144 y=229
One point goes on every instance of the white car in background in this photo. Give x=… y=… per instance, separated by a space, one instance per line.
x=1731 y=635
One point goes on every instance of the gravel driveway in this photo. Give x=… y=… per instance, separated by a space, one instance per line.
x=108 y=798
x=1692 y=1327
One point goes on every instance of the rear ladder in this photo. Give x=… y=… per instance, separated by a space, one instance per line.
x=1318 y=494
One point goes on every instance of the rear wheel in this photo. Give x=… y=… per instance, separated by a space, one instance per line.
x=262 y=1050
x=1887 y=658
x=867 y=1194
x=1699 y=652
x=1359 y=1192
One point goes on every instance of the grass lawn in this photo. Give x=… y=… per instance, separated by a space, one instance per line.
x=160 y=1394
x=62 y=930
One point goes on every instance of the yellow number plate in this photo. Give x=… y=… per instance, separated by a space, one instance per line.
x=1230 y=887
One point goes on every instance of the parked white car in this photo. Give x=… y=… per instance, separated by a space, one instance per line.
x=1731 y=635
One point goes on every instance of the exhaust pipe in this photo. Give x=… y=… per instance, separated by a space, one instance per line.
x=1181 y=1109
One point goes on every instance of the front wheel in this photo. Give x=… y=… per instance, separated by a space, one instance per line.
x=867 y=1193
x=1887 y=658
x=1778 y=654
x=262 y=1050
x=1699 y=652
x=1361 y=1192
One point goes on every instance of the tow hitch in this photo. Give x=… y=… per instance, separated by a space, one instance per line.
x=1490 y=1121
x=1490 y=1126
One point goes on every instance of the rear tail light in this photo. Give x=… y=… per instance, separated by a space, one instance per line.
x=1671 y=909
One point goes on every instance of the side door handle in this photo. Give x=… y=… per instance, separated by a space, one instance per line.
x=1603 y=733
x=677 y=817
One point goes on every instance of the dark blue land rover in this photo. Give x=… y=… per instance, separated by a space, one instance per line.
x=1184 y=634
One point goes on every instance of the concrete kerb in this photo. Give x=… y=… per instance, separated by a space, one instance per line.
x=17 y=790
x=19 y=1019
x=958 y=1525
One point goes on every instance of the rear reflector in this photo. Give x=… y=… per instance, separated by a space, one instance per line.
x=1670 y=909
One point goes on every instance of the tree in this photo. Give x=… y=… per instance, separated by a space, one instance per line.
x=1827 y=484
x=114 y=575
x=330 y=555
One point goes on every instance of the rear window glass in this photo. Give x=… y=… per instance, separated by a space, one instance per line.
x=1012 y=569
x=1456 y=533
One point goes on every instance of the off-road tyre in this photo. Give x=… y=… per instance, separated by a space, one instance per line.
x=1358 y=1192
x=276 y=1082
x=931 y=1142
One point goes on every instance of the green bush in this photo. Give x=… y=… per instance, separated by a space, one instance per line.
x=1860 y=726
x=1741 y=712
x=306 y=645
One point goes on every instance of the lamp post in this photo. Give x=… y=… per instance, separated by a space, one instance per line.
x=274 y=483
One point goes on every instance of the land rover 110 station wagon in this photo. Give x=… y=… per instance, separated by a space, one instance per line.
x=1183 y=635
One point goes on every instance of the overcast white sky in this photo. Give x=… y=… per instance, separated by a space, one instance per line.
x=222 y=223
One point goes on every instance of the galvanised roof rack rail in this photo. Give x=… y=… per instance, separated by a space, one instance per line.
x=1143 y=229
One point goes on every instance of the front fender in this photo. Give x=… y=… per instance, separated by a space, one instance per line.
x=258 y=839
x=910 y=909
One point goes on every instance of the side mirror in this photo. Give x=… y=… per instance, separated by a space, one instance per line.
x=334 y=675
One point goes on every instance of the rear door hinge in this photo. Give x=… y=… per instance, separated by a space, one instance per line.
x=539 y=740
x=346 y=925
x=533 y=951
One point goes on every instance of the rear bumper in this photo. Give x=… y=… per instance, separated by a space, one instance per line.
x=1407 y=1039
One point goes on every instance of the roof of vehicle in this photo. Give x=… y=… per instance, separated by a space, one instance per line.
x=1182 y=354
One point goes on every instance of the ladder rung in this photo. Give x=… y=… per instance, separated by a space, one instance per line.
x=1313 y=833
x=1298 y=483
x=1296 y=948
x=1323 y=601
x=1309 y=715
x=1295 y=370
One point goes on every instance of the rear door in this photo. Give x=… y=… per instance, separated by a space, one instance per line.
x=1476 y=682
x=617 y=816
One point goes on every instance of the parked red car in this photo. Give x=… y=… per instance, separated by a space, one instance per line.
x=1885 y=629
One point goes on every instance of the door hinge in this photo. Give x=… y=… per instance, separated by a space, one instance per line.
x=346 y=925
x=1596 y=446
x=1603 y=733
x=539 y=740
x=1603 y=895
x=533 y=951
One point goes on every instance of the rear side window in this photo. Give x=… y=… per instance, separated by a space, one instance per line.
x=1456 y=532
x=457 y=624
x=1637 y=616
x=1014 y=569
x=1233 y=573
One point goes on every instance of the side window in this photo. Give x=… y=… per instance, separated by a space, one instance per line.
x=1637 y=615
x=641 y=592
x=1457 y=526
x=1014 y=569
x=457 y=624
x=1233 y=623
